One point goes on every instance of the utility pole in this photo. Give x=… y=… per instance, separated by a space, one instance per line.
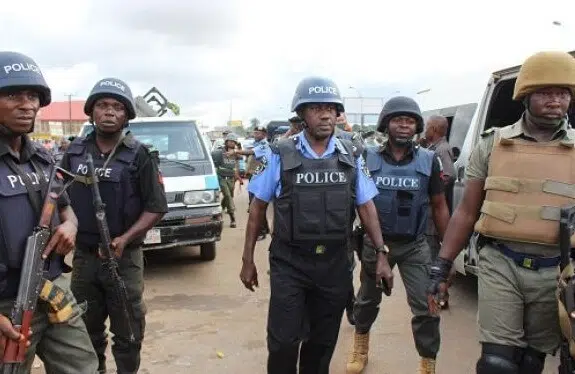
x=69 y=116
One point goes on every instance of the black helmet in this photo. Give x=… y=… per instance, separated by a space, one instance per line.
x=317 y=90
x=18 y=70
x=111 y=87
x=397 y=106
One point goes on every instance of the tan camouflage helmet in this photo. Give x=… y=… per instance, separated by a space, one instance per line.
x=544 y=69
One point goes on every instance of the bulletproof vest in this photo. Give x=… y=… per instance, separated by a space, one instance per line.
x=317 y=196
x=225 y=166
x=527 y=183
x=403 y=200
x=119 y=188
x=18 y=218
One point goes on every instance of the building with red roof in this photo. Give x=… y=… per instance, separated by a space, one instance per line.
x=61 y=118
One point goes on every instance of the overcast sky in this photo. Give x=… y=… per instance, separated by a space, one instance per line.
x=204 y=54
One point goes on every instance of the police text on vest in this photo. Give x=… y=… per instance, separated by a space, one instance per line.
x=13 y=179
x=399 y=183
x=83 y=170
x=321 y=177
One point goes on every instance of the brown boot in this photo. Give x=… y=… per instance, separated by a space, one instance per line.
x=426 y=366
x=358 y=357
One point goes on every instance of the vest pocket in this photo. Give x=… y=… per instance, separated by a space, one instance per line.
x=306 y=215
x=337 y=210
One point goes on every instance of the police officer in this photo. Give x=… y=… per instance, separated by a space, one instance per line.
x=316 y=181
x=260 y=149
x=344 y=131
x=436 y=130
x=296 y=126
x=64 y=347
x=409 y=181
x=517 y=309
x=131 y=187
x=227 y=165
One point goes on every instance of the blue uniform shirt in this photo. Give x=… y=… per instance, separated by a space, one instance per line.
x=266 y=182
x=261 y=149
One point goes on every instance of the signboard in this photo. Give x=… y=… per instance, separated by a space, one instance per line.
x=236 y=123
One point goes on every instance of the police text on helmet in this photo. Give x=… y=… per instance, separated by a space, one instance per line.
x=322 y=90
x=21 y=66
x=83 y=170
x=323 y=177
x=409 y=183
x=113 y=84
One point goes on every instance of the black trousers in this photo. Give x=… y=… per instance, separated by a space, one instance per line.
x=309 y=292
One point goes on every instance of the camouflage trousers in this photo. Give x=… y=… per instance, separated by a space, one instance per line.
x=413 y=260
x=64 y=348
x=227 y=185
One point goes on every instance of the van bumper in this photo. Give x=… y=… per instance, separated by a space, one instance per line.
x=182 y=227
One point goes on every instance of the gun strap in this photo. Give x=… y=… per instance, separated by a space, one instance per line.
x=35 y=200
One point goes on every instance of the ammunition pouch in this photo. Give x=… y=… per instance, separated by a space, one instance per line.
x=58 y=300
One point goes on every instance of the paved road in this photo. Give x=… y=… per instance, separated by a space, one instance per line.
x=202 y=320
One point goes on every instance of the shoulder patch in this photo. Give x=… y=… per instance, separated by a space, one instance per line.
x=262 y=166
x=363 y=167
x=488 y=132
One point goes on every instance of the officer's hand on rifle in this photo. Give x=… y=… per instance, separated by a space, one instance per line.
x=118 y=245
x=7 y=331
x=438 y=284
x=249 y=275
x=62 y=240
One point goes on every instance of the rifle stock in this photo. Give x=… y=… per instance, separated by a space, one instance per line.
x=567 y=289
x=31 y=276
x=106 y=247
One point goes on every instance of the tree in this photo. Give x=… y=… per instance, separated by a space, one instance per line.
x=254 y=122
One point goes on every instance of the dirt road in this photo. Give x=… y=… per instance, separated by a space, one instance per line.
x=202 y=320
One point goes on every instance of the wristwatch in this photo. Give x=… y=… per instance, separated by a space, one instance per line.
x=382 y=249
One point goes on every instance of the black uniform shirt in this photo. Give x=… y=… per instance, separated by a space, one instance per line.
x=150 y=178
x=30 y=151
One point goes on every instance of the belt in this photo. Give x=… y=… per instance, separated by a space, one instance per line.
x=528 y=261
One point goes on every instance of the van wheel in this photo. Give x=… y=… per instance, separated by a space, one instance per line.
x=208 y=251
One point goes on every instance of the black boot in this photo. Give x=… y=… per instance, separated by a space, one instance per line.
x=233 y=220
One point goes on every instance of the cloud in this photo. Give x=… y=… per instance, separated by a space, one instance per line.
x=205 y=55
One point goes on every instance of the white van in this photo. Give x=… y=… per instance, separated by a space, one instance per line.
x=190 y=181
x=496 y=109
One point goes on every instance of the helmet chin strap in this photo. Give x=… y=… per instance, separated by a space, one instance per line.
x=104 y=134
x=399 y=142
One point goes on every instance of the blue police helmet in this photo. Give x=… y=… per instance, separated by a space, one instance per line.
x=115 y=88
x=19 y=70
x=317 y=90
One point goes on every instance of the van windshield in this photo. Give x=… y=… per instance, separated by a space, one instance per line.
x=173 y=140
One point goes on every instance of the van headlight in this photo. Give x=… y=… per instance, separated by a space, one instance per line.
x=199 y=197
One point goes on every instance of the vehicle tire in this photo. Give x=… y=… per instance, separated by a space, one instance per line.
x=208 y=251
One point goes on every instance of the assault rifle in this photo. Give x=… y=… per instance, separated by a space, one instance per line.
x=567 y=290
x=106 y=247
x=31 y=276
